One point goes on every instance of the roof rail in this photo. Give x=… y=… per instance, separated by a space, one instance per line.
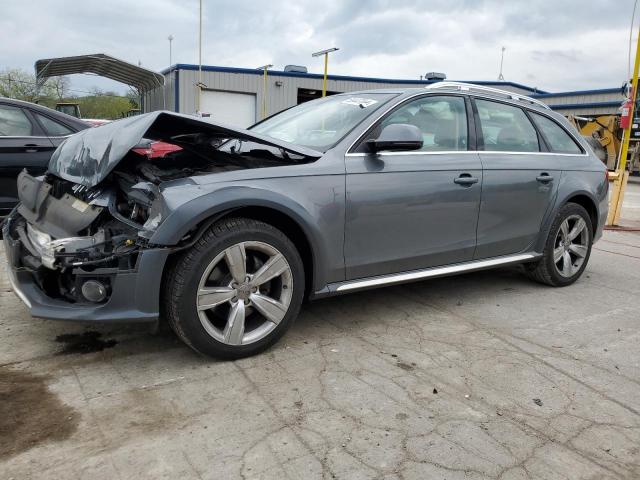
x=496 y=91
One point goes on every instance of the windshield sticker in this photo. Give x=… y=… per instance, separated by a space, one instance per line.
x=360 y=102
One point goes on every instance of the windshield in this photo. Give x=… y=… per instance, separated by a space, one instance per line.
x=321 y=124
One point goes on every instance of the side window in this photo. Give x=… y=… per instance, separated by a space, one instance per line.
x=14 y=122
x=559 y=141
x=53 y=128
x=506 y=128
x=442 y=121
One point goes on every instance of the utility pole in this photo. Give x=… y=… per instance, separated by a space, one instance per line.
x=170 y=38
x=264 y=89
x=617 y=195
x=500 y=76
x=199 y=59
x=326 y=64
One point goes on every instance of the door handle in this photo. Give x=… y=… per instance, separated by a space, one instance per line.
x=544 y=178
x=465 y=180
x=30 y=147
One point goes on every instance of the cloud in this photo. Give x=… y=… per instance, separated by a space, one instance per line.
x=552 y=45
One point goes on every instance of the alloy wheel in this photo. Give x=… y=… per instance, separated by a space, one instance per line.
x=244 y=293
x=571 y=246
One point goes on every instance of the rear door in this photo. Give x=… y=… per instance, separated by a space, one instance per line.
x=520 y=179
x=23 y=144
x=416 y=209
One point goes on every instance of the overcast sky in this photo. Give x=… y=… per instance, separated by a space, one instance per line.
x=554 y=45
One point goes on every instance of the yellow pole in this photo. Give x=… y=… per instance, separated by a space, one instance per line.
x=264 y=94
x=618 y=187
x=324 y=80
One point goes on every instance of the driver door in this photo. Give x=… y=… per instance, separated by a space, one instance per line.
x=414 y=209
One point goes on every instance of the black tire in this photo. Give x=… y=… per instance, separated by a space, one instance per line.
x=185 y=272
x=545 y=270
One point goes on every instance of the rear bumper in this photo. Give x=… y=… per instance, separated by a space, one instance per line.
x=134 y=294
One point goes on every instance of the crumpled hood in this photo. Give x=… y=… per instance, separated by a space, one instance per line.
x=87 y=157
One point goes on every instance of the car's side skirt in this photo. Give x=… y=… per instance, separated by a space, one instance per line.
x=372 y=282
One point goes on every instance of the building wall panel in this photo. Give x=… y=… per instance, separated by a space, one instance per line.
x=284 y=96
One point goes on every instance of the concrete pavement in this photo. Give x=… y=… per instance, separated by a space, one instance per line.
x=485 y=375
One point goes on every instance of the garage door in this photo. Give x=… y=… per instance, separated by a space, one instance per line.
x=238 y=109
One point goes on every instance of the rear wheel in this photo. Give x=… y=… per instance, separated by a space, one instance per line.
x=567 y=249
x=236 y=291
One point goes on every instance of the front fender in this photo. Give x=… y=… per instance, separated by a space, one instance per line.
x=190 y=214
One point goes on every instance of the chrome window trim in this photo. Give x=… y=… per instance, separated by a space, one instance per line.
x=471 y=95
x=450 y=152
x=22 y=136
x=433 y=272
x=36 y=136
x=468 y=87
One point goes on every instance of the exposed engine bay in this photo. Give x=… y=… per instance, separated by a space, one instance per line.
x=94 y=212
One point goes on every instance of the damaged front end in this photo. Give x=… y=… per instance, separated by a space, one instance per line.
x=64 y=237
x=78 y=244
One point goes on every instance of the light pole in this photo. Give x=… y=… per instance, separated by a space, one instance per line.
x=264 y=88
x=170 y=38
x=500 y=76
x=326 y=62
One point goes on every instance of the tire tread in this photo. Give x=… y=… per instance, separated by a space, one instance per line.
x=541 y=271
x=178 y=273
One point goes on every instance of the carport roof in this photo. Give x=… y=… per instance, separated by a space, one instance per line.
x=138 y=77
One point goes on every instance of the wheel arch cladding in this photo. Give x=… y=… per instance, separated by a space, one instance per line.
x=290 y=228
x=586 y=202
x=270 y=207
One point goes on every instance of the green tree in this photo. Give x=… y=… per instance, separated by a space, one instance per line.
x=106 y=105
x=21 y=85
x=134 y=99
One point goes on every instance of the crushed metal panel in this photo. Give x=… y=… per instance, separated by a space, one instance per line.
x=62 y=217
x=87 y=157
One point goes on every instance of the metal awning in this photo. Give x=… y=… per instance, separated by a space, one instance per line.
x=137 y=77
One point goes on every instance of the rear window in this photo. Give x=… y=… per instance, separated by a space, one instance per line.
x=53 y=128
x=559 y=141
x=14 y=122
x=506 y=128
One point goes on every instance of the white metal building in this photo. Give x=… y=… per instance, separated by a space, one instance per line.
x=235 y=95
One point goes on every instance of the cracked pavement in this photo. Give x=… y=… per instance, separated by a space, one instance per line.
x=485 y=375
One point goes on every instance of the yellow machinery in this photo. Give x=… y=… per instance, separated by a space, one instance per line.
x=70 y=108
x=606 y=134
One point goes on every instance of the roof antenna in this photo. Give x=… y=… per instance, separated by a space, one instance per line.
x=500 y=76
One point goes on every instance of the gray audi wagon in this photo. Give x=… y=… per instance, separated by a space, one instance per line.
x=228 y=234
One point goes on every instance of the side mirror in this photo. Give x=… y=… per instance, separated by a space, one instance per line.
x=397 y=137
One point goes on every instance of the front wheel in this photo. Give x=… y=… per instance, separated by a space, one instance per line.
x=567 y=249
x=236 y=291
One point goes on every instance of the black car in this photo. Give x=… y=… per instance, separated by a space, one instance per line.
x=29 y=134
